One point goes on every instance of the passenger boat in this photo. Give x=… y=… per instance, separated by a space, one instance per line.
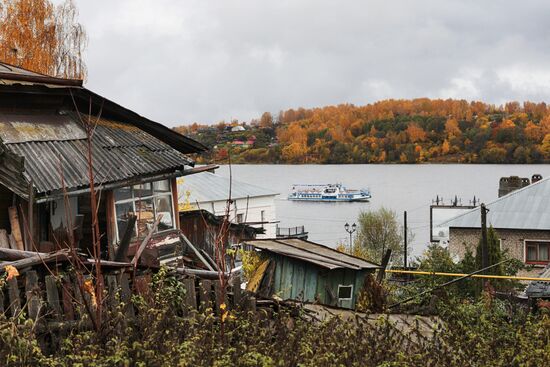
x=328 y=192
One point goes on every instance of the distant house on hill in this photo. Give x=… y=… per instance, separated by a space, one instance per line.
x=521 y=220
x=237 y=128
x=252 y=205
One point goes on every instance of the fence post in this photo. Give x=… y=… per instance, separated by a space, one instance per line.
x=32 y=292
x=205 y=295
x=190 y=293
x=13 y=291
x=52 y=295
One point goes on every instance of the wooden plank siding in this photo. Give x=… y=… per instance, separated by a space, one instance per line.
x=302 y=281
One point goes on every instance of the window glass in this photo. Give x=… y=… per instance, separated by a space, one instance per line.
x=143 y=190
x=161 y=186
x=532 y=253
x=147 y=201
x=163 y=205
x=345 y=291
x=146 y=216
x=123 y=211
x=543 y=252
x=124 y=193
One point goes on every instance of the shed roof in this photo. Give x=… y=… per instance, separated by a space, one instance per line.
x=312 y=252
x=526 y=208
x=121 y=151
x=207 y=187
x=539 y=289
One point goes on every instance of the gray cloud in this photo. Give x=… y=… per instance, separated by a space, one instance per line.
x=184 y=61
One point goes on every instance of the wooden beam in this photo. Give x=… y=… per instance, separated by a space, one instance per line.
x=122 y=250
x=4 y=240
x=146 y=241
x=13 y=255
x=197 y=252
x=35 y=260
x=29 y=232
x=16 y=227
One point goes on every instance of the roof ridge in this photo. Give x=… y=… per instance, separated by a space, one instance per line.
x=504 y=197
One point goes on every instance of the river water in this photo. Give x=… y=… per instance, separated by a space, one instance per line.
x=397 y=187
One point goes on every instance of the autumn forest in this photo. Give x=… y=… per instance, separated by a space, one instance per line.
x=390 y=131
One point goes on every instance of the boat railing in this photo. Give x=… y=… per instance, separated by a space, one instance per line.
x=291 y=231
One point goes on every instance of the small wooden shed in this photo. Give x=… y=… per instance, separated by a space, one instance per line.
x=310 y=272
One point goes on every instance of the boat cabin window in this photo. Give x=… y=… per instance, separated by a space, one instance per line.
x=345 y=292
x=146 y=201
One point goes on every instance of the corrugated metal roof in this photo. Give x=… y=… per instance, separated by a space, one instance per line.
x=539 y=289
x=121 y=151
x=206 y=187
x=313 y=253
x=526 y=208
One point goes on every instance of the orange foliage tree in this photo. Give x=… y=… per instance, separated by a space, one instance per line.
x=38 y=36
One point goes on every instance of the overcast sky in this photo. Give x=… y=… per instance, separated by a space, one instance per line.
x=204 y=61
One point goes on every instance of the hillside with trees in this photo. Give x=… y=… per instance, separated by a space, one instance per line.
x=389 y=131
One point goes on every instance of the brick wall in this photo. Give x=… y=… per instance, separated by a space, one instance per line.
x=511 y=240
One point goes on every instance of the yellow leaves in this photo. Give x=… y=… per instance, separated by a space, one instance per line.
x=452 y=128
x=507 y=124
x=11 y=271
x=445 y=147
x=416 y=133
x=88 y=287
x=225 y=314
x=38 y=36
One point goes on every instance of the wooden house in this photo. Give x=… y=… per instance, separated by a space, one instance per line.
x=47 y=128
x=203 y=228
x=305 y=271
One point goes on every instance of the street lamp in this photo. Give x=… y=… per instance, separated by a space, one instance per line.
x=350 y=231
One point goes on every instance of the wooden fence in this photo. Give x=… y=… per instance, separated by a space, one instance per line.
x=59 y=299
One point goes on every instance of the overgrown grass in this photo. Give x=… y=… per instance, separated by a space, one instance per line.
x=488 y=332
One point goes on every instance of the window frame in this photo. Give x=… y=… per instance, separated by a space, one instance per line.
x=531 y=242
x=345 y=286
x=151 y=197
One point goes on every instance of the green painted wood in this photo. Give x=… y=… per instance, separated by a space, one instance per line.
x=310 y=286
x=321 y=287
x=297 y=291
x=278 y=275
x=286 y=284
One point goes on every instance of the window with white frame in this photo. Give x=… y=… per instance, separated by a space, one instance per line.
x=537 y=252
x=146 y=201
x=345 y=292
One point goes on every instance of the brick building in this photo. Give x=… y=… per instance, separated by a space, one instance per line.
x=521 y=219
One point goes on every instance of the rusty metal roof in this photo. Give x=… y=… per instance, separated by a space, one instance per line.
x=312 y=252
x=121 y=151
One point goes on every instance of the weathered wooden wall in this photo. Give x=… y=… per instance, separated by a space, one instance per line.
x=299 y=280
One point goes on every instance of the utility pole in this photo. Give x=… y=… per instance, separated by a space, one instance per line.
x=405 y=239
x=484 y=247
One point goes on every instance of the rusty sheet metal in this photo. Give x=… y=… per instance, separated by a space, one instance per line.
x=120 y=152
x=313 y=253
